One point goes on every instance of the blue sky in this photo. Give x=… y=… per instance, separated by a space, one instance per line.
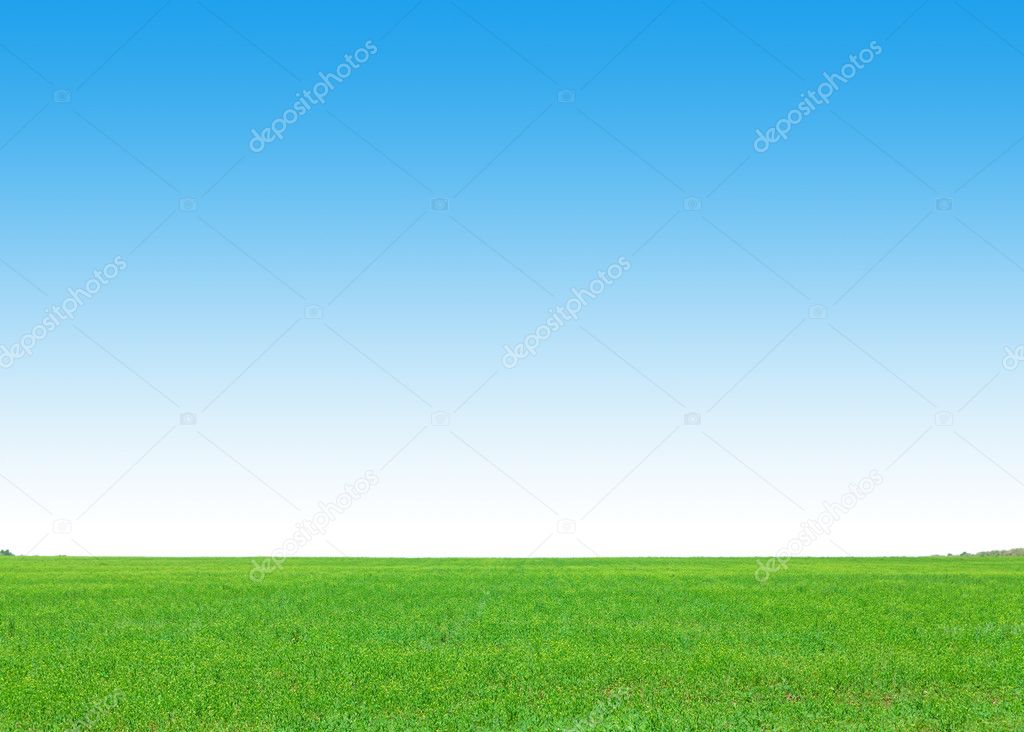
x=340 y=301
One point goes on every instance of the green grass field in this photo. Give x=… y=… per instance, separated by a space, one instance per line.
x=617 y=644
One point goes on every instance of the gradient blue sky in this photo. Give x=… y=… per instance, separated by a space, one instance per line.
x=116 y=116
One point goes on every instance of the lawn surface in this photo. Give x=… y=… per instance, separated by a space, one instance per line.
x=603 y=644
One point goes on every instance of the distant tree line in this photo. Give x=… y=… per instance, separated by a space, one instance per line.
x=996 y=553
